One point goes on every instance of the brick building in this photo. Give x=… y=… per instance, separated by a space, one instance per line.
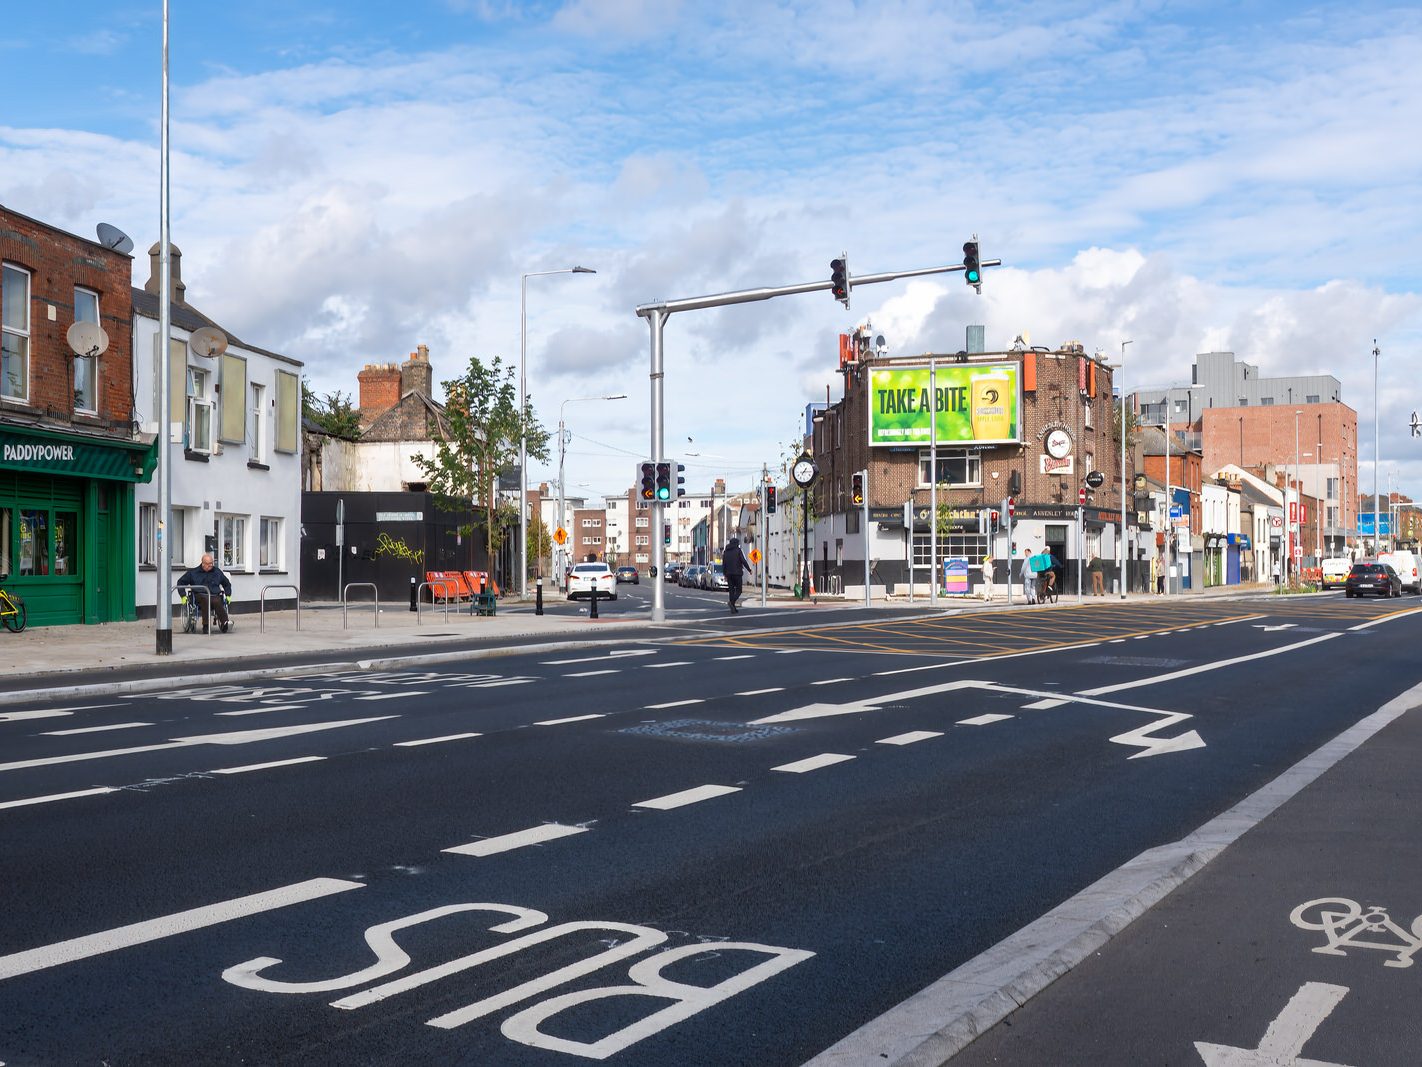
x=1053 y=423
x=70 y=453
x=588 y=535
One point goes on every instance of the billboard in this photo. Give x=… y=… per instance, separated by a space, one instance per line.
x=976 y=403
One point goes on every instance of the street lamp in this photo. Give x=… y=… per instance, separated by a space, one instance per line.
x=523 y=428
x=1122 y=538
x=1377 y=528
x=562 y=524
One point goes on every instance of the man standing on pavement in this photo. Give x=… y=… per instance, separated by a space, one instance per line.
x=987 y=575
x=733 y=565
x=1029 y=577
x=1098 y=579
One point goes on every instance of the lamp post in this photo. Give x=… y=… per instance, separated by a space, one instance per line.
x=1297 y=516
x=163 y=615
x=561 y=437
x=523 y=429
x=1122 y=537
x=1377 y=528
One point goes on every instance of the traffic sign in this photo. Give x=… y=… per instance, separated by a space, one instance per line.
x=1081 y=497
x=560 y=535
x=755 y=556
x=1298 y=551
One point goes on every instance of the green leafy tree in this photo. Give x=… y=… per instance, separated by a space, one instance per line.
x=484 y=420
x=334 y=413
x=540 y=544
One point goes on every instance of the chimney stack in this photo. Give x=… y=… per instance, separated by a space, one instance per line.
x=155 y=267
x=379 y=390
x=416 y=375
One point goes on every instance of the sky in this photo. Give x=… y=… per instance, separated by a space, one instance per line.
x=353 y=179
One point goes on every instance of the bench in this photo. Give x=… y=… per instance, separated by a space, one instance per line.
x=484 y=604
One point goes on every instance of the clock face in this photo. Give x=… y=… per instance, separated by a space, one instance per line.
x=803 y=471
x=1058 y=444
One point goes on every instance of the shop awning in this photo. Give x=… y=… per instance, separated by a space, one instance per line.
x=78 y=455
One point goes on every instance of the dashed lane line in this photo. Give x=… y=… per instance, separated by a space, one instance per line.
x=435 y=740
x=673 y=704
x=263 y=709
x=267 y=766
x=593 y=674
x=676 y=663
x=687 y=796
x=724 y=658
x=983 y=720
x=21 y=716
x=761 y=692
x=912 y=737
x=833 y=681
x=94 y=729
x=570 y=718
x=813 y=763
x=96 y=791
x=536 y=835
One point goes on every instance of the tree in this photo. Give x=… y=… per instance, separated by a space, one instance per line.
x=334 y=413
x=540 y=543
x=483 y=422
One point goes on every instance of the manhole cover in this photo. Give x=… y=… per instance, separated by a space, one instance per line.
x=728 y=733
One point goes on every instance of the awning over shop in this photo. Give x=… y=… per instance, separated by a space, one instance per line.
x=77 y=455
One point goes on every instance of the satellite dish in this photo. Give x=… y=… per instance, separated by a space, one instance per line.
x=87 y=339
x=208 y=341
x=114 y=238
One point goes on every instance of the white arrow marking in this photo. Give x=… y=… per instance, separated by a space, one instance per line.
x=1270 y=629
x=241 y=737
x=1155 y=746
x=1287 y=1034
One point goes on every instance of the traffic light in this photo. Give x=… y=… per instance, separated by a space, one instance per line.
x=972 y=268
x=680 y=485
x=664 y=481
x=770 y=500
x=648 y=473
x=839 y=279
x=856 y=488
x=666 y=533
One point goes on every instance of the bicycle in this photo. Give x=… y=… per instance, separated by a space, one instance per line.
x=12 y=609
x=1048 y=592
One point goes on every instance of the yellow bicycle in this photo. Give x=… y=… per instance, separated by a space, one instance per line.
x=12 y=609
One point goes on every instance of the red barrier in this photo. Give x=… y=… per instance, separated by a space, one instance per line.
x=481 y=582
x=448 y=585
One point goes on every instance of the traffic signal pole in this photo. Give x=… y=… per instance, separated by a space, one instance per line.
x=657 y=314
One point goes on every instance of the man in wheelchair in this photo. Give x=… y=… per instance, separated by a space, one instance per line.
x=206 y=575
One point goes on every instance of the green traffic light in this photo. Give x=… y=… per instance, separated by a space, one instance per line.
x=974 y=277
x=663 y=494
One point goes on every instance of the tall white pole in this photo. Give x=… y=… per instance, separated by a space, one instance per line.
x=164 y=612
x=523 y=437
x=1377 y=527
x=562 y=525
x=932 y=484
x=1121 y=537
x=864 y=522
x=1169 y=500
x=1298 y=490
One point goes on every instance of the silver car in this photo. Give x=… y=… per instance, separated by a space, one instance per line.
x=713 y=577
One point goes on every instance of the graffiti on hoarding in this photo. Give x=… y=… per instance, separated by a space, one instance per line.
x=385 y=545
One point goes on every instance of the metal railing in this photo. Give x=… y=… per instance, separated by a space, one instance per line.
x=262 y=624
x=834 y=586
x=420 y=600
x=205 y=591
x=360 y=585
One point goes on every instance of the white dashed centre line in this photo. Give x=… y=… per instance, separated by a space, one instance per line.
x=832 y=681
x=724 y=658
x=982 y=720
x=1043 y=705
x=570 y=718
x=687 y=796
x=535 y=836
x=95 y=729
x=394 y=696
x=263 y=709
x=813 y=763
x=908 y=738
x=267 y=766
x=434 y=740
x=591 y=674
x=58 y=796
x=673 y=704
x=758 y=692
x=18 y=716
x=678 y=663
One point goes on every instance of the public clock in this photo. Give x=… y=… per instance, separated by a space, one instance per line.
x=804 y=471
x=1058 y=444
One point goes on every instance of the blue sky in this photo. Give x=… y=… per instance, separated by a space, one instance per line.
x=351 y=180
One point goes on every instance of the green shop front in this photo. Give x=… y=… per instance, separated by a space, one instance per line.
x=67 y=523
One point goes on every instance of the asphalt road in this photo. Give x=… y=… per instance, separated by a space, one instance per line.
x=729 y=849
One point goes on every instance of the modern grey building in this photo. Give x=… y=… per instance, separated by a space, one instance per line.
x=1221 y=381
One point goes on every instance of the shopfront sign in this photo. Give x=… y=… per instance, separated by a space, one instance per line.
x=53 y=453
x=973 y=403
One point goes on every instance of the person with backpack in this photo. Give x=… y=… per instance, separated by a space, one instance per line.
x=734 y=565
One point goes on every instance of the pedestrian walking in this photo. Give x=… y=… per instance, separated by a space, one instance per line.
x=987 y=575
x=734 y=565
x=1029 y=577
x=1098 y=578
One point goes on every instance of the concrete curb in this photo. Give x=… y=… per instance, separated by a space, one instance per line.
x=932 y=1026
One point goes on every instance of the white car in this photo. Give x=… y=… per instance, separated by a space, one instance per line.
x=1335 y=572
x=592 y=580
x=1407 y=566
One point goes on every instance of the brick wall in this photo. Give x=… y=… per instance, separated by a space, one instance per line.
x=379 y=390
x=57 y=262
x=581 y=541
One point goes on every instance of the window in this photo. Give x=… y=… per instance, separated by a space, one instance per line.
x=591 y=523
x=954 y=467
x=644 y=539
x=1313 y=399
x=34 y=542
x=147 y=530
x=971 y=547
x=1266 y=400
x=15 y=334
x=1180 y=406
x=269 y=545
x=232 y=542
x=177 y=534
x=644 y=520
x=197 y=423
x=1332 y=491
x=233 y=413
x=86 y=368
x=257 y=424
x=5 y=521
x=1151 y=415
x=1332 y=519
x=642 y=557
x=66 y=534
x=288 y=410
x=1086 y=414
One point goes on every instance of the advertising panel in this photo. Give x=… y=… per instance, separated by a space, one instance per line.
x=975 y=403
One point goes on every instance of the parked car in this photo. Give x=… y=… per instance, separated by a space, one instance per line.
x=1372 y=577
x=714 y=578
x=1406 y=565
x=691 y=577
x=672 y=571
x=628 y=574
x=1335 y=572
x=592 y=580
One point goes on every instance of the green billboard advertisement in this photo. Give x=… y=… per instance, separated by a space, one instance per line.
x=975 y=403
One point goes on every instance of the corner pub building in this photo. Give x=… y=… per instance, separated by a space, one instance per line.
x=1053 y=423
x=69 y=456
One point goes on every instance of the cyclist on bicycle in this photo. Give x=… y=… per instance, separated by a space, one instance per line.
x=206 y=575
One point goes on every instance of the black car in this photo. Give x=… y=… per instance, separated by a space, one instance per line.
x=1376 y=578
x=672 y=572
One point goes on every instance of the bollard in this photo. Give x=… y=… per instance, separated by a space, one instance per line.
x=592 y=608
x=538 y=598
x=413 y=592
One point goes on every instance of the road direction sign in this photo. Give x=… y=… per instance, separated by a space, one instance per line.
x=560 y=535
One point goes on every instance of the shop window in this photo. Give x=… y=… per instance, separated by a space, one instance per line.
x=15 y=333
x=147 y=531
x=66 y=534
x=197 y=426
x=86 y=368
x=269 y=550
x=955 y=467
x=232 y=542
x=971 y=547
x=5 y=532
x=34 y=542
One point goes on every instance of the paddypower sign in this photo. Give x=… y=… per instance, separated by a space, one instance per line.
x=974 y=403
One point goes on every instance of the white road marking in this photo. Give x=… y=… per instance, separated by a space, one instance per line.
x=1385 y=618
x=267 y=766
x=590 y=674
x=910 y=670
x=1117 y=641
x=140 y=933
x=1203 y=667
x=1043 y=705
x=21 y=716
x=263 y=709
x=788 y=651
x=813 y=763
x=982 y=720
x=570 y=718
x=535 y=836
x=724 y=658
x=1141 y=637
x=678 y=663
x=506 y=681
x=673 y=704
x=832 y=681
x=394 y=696
x=687 y=796
x=94 y=729
x=1287 y=1035
x=434 y=740
x=599 y=659
x=908 y=738
x=241 y=737
x=58 y=796
x=760 y=692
